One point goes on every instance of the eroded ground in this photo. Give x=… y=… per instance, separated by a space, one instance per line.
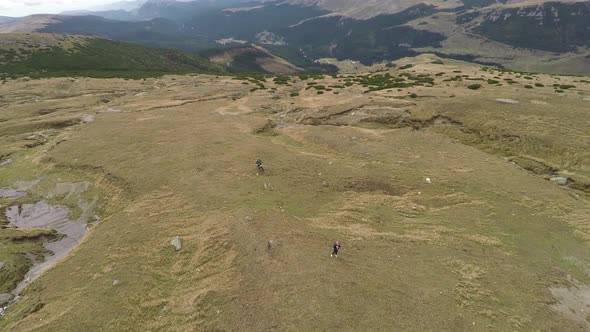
x=495 y=240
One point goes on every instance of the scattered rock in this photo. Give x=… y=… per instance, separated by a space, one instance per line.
x=354 y=138
x=6 y=162
x=507 y=101
x=272 y=244
x=116 y=282
x=5 y=298
x=538 y=102
x=559 y=180
x=11 y=193
x=325 y=184
x=573 y=302
x=268 y=186
x=88 y=118
x=428 y=180
x=176 y=243
x=248 y=219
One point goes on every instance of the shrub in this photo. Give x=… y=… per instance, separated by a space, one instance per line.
x=474 y=86
x=566 y=86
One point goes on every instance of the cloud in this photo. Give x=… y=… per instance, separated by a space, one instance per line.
x=28 y=7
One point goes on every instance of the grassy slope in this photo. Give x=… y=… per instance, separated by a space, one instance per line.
x=461 y=42
x=92 y=57
x=481 y=246
x=250 y=59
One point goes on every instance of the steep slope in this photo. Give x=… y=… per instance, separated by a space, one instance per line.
x=61 y=55
x=251 y=58
x=548 y=38
x=512 y=34
x=553 y=27
x=363 y=9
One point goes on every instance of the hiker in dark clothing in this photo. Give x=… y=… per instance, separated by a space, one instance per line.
x=336 y=248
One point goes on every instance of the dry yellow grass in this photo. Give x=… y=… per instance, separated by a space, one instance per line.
x=478 y=248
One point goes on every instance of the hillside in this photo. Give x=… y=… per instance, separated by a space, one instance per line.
x=459 y=193
x=4 y=19
x=48 y=55
x=531 y=35
x=251 y=58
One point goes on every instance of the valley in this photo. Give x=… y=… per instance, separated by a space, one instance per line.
x=534 y=36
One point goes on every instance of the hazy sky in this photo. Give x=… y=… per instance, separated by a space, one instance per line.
x=28 y=7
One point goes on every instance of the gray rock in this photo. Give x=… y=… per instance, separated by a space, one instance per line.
x=116 y=282
x=560 y=180
x=507 y=101
x=176 y=243
x=6 y=162
x=1 y=265
x=88 y=118
x=5 y=298
x=11 y=193
x=325 y=184
x=272 y=244
x=248 y=219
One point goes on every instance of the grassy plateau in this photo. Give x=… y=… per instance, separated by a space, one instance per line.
x=458 y=209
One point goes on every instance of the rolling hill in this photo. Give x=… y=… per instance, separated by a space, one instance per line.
x=460 y=195
x=48 y=55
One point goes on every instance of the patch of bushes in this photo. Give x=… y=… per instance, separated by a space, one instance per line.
x=474 y=86
x=566 y=86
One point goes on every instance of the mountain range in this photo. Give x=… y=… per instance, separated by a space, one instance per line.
x=528 y=35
